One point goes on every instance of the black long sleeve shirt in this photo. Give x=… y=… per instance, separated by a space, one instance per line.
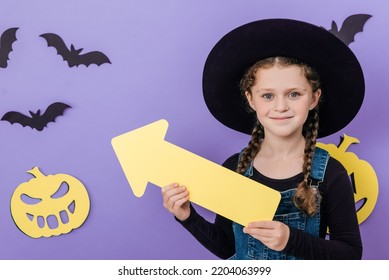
x=337 y=214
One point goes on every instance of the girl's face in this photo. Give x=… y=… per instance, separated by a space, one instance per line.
x=282 y=98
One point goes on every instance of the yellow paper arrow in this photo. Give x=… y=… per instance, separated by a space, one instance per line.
x=146 y=157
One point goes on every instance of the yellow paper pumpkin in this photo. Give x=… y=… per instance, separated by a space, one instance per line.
x=362 y=176
x=49 y=205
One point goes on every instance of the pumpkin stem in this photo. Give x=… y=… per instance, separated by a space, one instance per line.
x=346 y=142
x=35 y=172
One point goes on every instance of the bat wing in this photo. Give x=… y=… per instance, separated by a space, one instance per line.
x=7 y=39
x=16 y=117
x=52 y=112
x=53 y=40
x=95 y=57
x=351 y=26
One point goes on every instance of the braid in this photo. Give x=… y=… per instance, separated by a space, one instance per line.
x=251 y=150
x=305 y=197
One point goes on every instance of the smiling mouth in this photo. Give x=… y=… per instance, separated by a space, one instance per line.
x=280 y=118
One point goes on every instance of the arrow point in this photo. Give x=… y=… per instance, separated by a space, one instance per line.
x=136 y=153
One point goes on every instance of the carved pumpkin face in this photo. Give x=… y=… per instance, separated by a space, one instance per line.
x=49 y=205
x=362 y=176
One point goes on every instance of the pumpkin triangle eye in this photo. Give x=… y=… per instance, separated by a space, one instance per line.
x=62 y=190
x=30 y=200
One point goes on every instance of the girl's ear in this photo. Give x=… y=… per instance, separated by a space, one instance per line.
x=250 y=100
x=315 y=99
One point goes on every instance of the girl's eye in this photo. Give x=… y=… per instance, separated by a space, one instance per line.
x=294 y=94
x=267 y=96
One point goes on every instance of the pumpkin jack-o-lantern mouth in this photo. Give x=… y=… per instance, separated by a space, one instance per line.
x=49 y=205
x=359 y=201
x=53 y=220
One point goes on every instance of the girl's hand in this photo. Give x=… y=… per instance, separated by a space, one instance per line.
x=176 y=200
x=273 y=234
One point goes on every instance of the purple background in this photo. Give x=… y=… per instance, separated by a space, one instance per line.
x=157 y=50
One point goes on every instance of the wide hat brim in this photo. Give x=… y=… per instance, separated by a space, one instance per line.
x=343 y=85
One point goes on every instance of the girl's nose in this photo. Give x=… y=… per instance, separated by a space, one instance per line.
x=281 y=105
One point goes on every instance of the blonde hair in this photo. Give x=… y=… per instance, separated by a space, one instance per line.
x=305 y=196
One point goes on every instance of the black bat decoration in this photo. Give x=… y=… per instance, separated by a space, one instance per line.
x=73 y=56
x=350 y=27
x=37 y=121
x=6 y=40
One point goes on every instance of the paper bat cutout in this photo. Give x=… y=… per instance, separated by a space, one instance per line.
x=73 y=56
x=6 y=40
x=37 y=121
x=350 y=27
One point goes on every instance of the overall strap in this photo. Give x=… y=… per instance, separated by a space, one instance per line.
x=319 y=165
x=249 y=171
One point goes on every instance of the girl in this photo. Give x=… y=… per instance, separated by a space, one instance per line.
x=283 y=92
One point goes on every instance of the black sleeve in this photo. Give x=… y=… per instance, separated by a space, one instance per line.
x=217 y=237
x=338 y=214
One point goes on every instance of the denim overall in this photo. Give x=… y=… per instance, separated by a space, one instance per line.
x=249 y=248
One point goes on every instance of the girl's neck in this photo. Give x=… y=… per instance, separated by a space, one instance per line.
x=283 y=147
x=280 y=158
